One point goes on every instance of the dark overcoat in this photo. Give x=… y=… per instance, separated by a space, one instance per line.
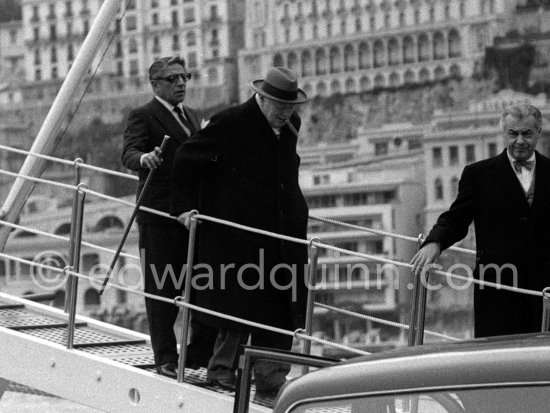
x=509 y=233
x=145 y=129
x=236 y=169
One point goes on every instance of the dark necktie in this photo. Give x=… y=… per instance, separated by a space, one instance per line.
x=526 y=164
x=183 y=120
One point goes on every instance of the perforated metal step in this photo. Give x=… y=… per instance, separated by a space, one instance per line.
x=112 y=345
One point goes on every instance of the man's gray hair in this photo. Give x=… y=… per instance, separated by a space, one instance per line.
x=520 y=112
x=159 y=65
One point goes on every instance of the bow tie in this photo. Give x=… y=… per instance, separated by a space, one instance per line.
x=529 y=165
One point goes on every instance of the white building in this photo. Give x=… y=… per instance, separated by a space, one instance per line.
x=343 y=46
x=207 y=34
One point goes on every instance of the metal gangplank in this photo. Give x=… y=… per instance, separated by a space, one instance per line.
x=109 y=368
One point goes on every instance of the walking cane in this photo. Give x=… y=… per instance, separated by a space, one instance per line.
x=132 y=218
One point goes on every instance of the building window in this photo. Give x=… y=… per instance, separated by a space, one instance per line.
x=192 y=59
x=52 y=11
x=315 y=31
x=213 y=76
x=53 y=55
x=454 y=187
x=432 y=14
x=438 y=189
x=53 y=32
x=372 y=24
x=35 y=16
x=287 y=35
x=154 y=4
x=131 y=23
x=190 y=39
x=453 y=155
x=36 y=34
x=358 y=25
x=387 y=20
x=132 y=48
x=213 y=12
x=300 y=33
x=86 y=27
x=381 y=148
x=461 y=9
x=175 y=22
x=134 y=70
x=401 y=19
x=470 y=153
x=173 y=2
x=437 y=159
x=37 y=59
x=69 y=29
x=417 y=16
x=492 y=149
x=188 y=15
x=343 y=27
x=37 y=75
x=54 y=72
x=329 y=29
x=155 y=19
x=447 y=12
x=156 y=45
x=70 y=52
x=175 y=42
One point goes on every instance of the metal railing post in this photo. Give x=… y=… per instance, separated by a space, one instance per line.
x=77 y=177
x=76 y=242
x=418 y=286
x=312 y=281
x=187 y=297
x=545 y=310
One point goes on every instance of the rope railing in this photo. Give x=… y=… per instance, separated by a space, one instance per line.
x=282 y=237
x=381 y=232
x=177 y=301
x=61 y=238
x=69 y=163
x=380 y=320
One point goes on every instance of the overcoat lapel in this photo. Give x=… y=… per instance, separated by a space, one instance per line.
x=165 y=118
x=259 y=125
x=541 y=201
x=509 y=184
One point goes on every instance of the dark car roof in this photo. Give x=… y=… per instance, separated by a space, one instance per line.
x=518 y=359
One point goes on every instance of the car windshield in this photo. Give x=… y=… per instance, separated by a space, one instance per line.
x=481 y=400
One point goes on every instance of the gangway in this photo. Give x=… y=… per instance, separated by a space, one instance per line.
x=109 y=368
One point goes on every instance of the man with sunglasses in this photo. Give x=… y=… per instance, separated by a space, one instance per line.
x=162 y=241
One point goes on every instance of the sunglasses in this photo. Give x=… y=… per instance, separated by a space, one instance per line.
x=174 y=78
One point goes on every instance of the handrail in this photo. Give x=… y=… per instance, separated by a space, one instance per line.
x=177 y=301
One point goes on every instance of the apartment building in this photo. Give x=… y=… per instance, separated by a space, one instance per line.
x=348 y=46
x=207 y=34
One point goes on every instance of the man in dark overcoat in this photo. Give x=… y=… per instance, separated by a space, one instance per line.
x=243 y=167
x=162 y=241
x=508 y=199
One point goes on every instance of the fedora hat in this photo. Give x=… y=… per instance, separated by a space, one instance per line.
x=280 y=84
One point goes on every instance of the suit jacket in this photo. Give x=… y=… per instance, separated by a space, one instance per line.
x=236 y=169
x=145 y=129
x=508 y=233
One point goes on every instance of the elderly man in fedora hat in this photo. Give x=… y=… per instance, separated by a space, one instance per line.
x=243 y=167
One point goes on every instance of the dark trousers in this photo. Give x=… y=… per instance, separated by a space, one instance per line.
x=163 y=252
x=267 y=374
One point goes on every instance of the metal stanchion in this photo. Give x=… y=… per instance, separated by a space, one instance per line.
x=421 y=313
x=187 y=297
x=545 y=310
x=77 y=177
x=417 y=286
x=76 y=241
x=312 y=280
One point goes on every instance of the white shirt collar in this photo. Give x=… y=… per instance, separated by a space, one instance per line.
x=168 y=105
x=531 y=158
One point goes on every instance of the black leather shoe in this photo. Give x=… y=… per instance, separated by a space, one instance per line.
x=225 y=383
x=169 y=369
x=193 y=365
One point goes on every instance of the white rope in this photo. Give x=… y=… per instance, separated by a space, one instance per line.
x=39 y=180
x=251 y=229
x=70 y=163
x=381 y=320
x=385 y=233
x=36 y=155
x=61 y=238
x=177 y=301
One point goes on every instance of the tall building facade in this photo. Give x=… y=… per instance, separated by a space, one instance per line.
x=347 y=46
x=207 y=34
